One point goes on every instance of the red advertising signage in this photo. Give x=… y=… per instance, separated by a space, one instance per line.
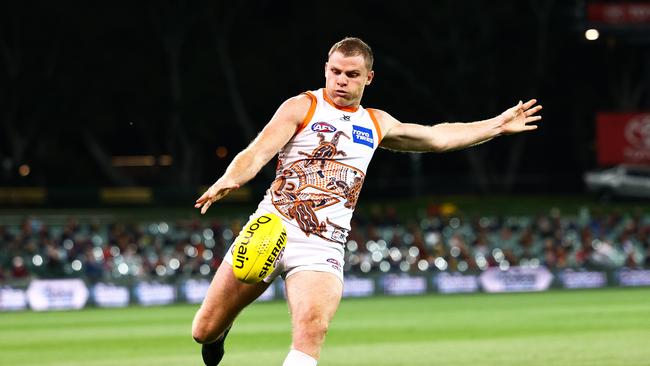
x=623 y=138
x=621 y=13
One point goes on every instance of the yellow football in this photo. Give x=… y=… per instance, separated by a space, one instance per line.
x=258 y=248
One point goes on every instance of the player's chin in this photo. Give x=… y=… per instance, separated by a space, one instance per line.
x=345 y=100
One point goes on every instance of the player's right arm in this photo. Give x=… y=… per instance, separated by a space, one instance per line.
x=249 y=162
x=453 y=136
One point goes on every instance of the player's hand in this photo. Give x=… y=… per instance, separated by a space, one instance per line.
x=216 y=192
x=519 y=118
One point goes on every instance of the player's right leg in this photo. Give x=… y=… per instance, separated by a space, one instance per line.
x=226 y=297
x=313 y=298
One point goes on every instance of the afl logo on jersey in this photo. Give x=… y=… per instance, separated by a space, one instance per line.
x=322 y=127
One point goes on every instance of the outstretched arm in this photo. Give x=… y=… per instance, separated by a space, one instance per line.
x=251 y=160
x=453 y=136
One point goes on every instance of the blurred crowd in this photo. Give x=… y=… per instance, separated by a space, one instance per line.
x=440 y=239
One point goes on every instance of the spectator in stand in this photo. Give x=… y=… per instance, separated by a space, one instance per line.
x=92 y=266
x=631 y=250
x=3 y=274
x=601 y=241
x=18 y=269
x=550 y=258
x=582 y=256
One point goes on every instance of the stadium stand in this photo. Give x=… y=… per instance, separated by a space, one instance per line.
x=380 y=242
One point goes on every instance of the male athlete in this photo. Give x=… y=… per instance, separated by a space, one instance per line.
x=324 y=140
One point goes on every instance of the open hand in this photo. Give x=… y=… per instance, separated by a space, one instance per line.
x=216 y=192
x=519 y=117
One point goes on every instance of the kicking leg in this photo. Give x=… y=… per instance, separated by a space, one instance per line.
x=226 y=297
x=313 y=299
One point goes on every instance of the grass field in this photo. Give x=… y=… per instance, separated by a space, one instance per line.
x=591 y=328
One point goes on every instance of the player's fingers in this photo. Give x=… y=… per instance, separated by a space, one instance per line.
x=204 y=196
x=206 y=206
x=516 y=108
x=534 y=110
x=533 y=119
x=529 y=103
x=200 y=202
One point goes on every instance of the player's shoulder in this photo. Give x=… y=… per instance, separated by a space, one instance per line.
x=384 y=118
x=299 y=102
x=296 y=104
x=295 y=108
x=376 y=111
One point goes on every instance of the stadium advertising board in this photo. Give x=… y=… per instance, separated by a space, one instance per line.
x=153 y=293
x=12 y=299
x=404 y=285
x=358 y=287
x=633 y=277
x=583 y=279
x=195 y=290
x=449 y=283
x=108 y=295
x=623 y=138
x=516 y=279
x=57 y=294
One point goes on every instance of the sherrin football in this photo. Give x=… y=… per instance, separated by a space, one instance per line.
x=258 y=248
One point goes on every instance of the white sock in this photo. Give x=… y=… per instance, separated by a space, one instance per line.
x=297 y=358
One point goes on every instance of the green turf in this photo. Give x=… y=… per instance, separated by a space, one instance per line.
x=591 y=328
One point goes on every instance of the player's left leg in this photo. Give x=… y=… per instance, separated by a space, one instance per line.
x=226 y=297
x=313 y=298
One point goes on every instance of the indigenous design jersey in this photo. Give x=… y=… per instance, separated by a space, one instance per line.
x=321 y=170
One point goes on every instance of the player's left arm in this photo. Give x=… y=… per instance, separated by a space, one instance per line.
x=453 y=136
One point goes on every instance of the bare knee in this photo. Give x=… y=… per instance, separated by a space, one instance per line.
x=206 y=331
x=311 y=329
x=200 y=333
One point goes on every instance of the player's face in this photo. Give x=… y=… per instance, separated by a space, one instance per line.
x=345 y=79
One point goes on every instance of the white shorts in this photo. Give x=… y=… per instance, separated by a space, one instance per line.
x=304 y=253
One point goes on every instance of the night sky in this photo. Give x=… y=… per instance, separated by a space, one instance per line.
x=81 y=82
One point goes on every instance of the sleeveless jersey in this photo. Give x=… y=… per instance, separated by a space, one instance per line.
x=322 y=168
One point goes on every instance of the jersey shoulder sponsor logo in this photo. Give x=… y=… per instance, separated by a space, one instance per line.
x=362 y=135
x=322 y=127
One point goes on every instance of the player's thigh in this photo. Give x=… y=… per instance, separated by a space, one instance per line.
x=313 y=297
x=225 y=298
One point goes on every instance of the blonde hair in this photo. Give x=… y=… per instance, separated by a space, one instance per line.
x=352 y=46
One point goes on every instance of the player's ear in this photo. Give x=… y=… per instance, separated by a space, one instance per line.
x=325 y=68
x=371 y=76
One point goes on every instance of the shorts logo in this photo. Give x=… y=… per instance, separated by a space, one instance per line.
x=322 y=127
x=333 y=261
x=362 y=135
x=335 y=264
